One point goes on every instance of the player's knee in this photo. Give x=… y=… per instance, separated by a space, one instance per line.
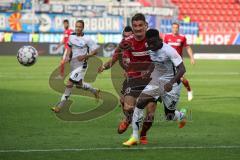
x=79 y=85
x=143 y=101
x=128 y=107
x=69 y=85
x=121 y=101
x=151 y=106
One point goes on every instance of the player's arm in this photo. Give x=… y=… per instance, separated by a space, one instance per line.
x=190 y=54
x=93 y=48
x=107 y=65
x=67 y=53
x=149 y=71
x=120 y=59
x=189 y=51
x=91 y=54
x=180 y=68
x=124 y=46
x=60 y=44
x=110 y=62
x=180 y=72
x=116 y=56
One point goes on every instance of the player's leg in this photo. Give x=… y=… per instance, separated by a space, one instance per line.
x=132 y=88
x=152 y=90
x=137 y=118
x=128 y=102
x=80 y=73
x=148 y=121
x=75 y=78
x=128 y=106
x=87 y=86
x=149 y=93
x=170 y=101
x=64 y=97
x=188 y=87
x=176 y=115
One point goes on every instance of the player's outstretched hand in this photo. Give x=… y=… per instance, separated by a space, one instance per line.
x=168 y=87
x=192 y=60
x=56 y=48
x=101 y=69
x=83 y=58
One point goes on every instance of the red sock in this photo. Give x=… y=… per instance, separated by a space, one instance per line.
x=146 y=126
x=186 y=84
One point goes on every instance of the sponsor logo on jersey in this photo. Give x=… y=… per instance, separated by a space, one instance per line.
x=178 y=40
x=144 y=53
x=174 y=44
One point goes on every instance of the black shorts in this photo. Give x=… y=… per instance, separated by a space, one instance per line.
x=134 y=86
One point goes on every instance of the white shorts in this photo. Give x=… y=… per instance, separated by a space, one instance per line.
x=155 y=89
x=77 y=74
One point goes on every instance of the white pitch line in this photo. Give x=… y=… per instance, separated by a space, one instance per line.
x=107 y=149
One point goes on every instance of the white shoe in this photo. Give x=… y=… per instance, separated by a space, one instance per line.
x=190 y=95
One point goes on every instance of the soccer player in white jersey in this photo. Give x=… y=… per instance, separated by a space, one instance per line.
x=166 y=73
x=79 y=45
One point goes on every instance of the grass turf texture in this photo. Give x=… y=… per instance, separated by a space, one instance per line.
x=26 y=121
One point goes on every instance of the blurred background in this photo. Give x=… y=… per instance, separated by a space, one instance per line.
x=211 y=26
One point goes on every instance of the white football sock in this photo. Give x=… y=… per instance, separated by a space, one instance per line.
x=65 y=97
x=88 y=86
x=66 y=94
x=136 y=121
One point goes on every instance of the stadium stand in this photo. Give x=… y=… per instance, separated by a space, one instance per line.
x=213 y=16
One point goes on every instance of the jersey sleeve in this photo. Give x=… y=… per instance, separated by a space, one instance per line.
x=92 y=44
x=174 y=56
x=126 y=57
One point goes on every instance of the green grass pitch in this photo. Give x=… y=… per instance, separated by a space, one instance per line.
x=29 y=130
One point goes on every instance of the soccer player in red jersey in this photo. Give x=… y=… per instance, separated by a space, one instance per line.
x=126 y=33
x=67 y=32
x=137 y=59
x=179 y=41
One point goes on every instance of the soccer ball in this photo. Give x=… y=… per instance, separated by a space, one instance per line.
x=27 y=55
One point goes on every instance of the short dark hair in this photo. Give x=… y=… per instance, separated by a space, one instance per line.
x=138 y=17
x=80 y=21
x=152 y=33
x=176 y=23
x=128 y=29
x=65 y=21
